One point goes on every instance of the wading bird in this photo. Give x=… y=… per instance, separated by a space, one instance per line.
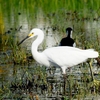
x=61 y=56
x=68 y=41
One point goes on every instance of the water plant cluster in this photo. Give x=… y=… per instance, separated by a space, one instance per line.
x=28 y=79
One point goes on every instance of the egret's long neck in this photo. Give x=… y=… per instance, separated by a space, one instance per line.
x=36 y=43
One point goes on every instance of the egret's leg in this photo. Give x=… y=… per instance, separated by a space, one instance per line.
x=90 y=64
x=64 y=76
x=92 y=75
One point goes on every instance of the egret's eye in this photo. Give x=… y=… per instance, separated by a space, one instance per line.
x=31 y=34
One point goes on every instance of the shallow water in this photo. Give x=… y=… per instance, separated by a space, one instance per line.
x=31 y=81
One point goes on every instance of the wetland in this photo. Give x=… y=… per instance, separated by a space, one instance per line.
x=21 y=78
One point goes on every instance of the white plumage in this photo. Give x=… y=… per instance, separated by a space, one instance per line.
x=63 y=56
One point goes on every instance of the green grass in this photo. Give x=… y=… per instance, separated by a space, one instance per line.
x=30 y=8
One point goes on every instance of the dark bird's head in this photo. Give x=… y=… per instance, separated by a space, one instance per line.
x=69 y=31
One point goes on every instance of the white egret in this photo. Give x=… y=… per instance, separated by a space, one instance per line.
x=68 y=41
x=61 y=56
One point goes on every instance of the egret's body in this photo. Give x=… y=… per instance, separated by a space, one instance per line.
x=62 y=56
x=68 y=41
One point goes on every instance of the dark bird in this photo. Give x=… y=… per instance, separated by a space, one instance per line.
x=68 y=41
